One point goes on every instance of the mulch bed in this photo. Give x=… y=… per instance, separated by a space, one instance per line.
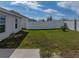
x=13 y=41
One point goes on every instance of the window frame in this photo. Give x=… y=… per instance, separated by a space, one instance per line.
x=2 y=23
x=16 y=23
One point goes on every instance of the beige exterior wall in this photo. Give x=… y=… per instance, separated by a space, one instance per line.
x=10 y=25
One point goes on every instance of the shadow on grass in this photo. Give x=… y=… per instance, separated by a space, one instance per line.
x=13 y=42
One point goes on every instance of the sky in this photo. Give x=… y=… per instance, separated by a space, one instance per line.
x=43 y=9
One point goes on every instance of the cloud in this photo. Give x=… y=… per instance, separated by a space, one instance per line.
x=65 y=4
x=36 y=6
x=50 y=10
x=70 y=5
x=53 y=11
x=60 y=14
x=30 y=4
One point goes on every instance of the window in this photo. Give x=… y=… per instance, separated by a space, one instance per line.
x=2 y=24
x=16 y=23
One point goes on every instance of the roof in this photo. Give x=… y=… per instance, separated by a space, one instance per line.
x=12 y=12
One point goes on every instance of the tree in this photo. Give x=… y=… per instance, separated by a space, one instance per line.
x=49 y=18
x=64 y=19
x=33 y=20
x=43 y=20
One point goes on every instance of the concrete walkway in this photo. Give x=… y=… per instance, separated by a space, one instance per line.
x=6 y=53
x=26 y=53
x=19 y=53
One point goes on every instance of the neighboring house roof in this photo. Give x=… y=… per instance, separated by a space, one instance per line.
x=12 y=12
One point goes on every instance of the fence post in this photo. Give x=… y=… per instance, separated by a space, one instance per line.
x=75 y=25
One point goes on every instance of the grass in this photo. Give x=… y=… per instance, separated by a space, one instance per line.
x=52 y=41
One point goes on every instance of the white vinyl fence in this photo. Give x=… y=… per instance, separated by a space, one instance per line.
x=45 y=25
x=53 y=24
x=71 y=24
x=77 y=25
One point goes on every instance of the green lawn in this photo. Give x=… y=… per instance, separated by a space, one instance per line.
x=52 y=41
x=48 y=41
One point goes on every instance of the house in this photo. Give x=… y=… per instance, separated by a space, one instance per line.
x=10 y=22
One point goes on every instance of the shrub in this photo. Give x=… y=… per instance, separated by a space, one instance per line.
x=64 y=27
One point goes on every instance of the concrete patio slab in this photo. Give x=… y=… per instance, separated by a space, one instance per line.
x=26 y=53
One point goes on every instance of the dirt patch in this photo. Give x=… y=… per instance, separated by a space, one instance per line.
x=70 y=53
x=56 y=55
